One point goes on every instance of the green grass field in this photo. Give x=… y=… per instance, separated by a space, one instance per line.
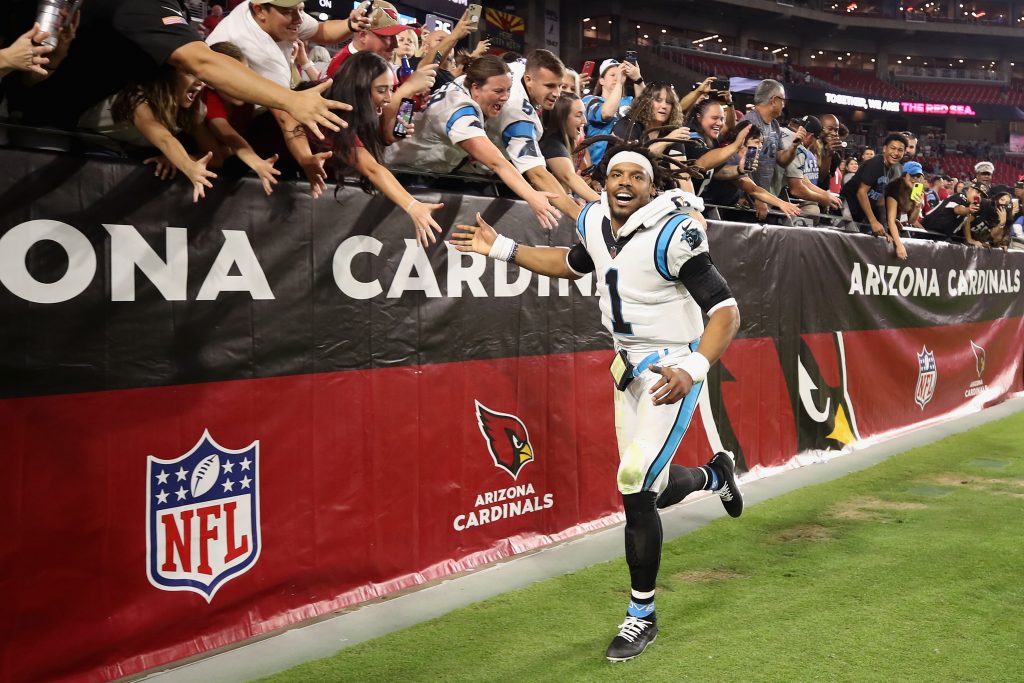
x=912 y=570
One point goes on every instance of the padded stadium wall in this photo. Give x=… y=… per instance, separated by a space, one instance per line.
x=222 y=419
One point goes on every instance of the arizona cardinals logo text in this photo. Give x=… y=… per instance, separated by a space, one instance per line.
x=507 y=439
x=977 y=386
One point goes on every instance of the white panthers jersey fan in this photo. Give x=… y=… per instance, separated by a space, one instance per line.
x=518 y=129
x=450 y=117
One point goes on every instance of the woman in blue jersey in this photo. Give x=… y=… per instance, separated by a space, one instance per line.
x=610 y=102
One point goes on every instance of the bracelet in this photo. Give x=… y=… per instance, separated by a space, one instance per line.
x=639 y=81
x=351 y=28
x=503 y=248
x=409 y=205
x=696 y=366
x=515 y=250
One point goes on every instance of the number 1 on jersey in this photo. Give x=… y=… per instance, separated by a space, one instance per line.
x=619 y=326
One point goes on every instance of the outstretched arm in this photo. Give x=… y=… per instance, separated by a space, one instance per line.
x=482 y=239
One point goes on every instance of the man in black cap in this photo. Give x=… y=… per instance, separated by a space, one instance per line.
x=800 y=176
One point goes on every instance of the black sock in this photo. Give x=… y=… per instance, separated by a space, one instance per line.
x=643 y=544
x=682 y=481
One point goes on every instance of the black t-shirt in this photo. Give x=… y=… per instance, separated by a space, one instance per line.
x=553 y=146
x=711 y=190
x=876 y=175
x=943 y=219
x=893 y=190
x=825 y=179
x=118 y=42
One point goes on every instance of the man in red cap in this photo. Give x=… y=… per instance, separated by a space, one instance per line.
x=378 y=37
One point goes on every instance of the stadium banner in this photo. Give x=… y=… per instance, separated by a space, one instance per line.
x=225 y=418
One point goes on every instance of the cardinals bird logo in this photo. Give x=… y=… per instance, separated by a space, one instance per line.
x=979 y=358
x=507 y=439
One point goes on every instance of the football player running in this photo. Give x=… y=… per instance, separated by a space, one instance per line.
x=649 y=254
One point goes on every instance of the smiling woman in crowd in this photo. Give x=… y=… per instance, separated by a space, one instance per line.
x=656 y=113
x=365 y=81
x=159 y=110
x=563 y=127
x=899 y=200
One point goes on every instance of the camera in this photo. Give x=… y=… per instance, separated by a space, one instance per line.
x=719 y=85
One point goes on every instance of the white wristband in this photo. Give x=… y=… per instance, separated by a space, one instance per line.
x=696 y=366
x=502 y=248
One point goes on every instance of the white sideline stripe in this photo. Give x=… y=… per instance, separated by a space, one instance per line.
x=306 y=642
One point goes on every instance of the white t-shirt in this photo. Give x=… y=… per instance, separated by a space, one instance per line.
x=267 y=57
x=451 y=117
x=518 y=129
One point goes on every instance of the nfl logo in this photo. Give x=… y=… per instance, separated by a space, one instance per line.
x=927 y=375
x=203 y=517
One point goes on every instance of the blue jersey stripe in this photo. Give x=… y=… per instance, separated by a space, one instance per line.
x=661 y=247
x=518 y=129
x=686 y=411
x=581 y=225
x=459 y=113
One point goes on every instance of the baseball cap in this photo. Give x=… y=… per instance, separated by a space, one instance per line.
x=384 y=19
x=278 y=3
x=605 y=65
x=984 y=167
x=912 y=168
x=1020 y=182
x=811 y=124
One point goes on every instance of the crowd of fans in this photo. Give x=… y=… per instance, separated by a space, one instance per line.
x=262 y=93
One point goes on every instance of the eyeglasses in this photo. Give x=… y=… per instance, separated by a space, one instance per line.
x=917 y=175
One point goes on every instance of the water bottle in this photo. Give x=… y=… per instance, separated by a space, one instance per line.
x=404 y=71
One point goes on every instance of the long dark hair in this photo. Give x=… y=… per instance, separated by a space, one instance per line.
x=903 y=202
x=555 y=121
x=353 y=84
x=160 y=93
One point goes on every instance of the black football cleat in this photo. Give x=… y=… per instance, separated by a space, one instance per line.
x=634 y=636
x=729 y=491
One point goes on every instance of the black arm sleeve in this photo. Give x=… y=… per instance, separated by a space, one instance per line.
x=705 y=284
x=579 y=260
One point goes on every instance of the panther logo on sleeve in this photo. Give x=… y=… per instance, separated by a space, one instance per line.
x=693 y=235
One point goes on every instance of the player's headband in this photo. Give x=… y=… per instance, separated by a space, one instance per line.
x=632 y=158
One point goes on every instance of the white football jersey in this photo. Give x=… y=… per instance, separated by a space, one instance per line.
x=643 y=303
x=518 y=129
x=450 y=117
